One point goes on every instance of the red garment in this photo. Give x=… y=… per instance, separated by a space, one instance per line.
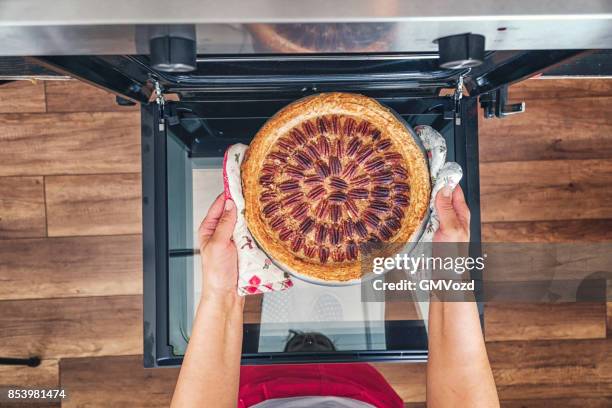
x=356 y=380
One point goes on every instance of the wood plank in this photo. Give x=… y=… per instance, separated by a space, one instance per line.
x=523 y=321
x=76 y=327
x=550 y=129
x=45 y=375
x=535 y=272
x=546 y=190
x=609 y=314
x=597 y=230
x=604 y=402
x=33 y=404
x=609 y=307
x=78 y=96
x=116 y=382
x=93 y=204
x=536 y=264
x=22 y=96
x=557 y=88
x=73 y=266
x=69 y=143
x=22 y=207
x=552 y=369
x=407 y=379
x=504 y=321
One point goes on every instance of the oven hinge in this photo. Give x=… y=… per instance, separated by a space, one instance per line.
x=457 y=96
x=161 y=103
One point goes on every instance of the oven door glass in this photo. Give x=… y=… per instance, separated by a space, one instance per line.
x=357 y=329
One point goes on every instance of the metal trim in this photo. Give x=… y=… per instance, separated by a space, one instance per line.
x=506 y=68
x=108 y=72
x=466 y=150
x=155 y=238
x=89 y=27
x=319 y=57
x=92 y=12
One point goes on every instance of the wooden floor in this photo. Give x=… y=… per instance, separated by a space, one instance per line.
x=71 y=261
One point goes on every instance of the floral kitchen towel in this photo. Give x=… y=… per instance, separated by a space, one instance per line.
x=256 y=271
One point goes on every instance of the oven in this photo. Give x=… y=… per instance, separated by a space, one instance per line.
x=203 y=87
x=193 y=117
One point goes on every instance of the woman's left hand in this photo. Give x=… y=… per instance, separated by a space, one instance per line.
x=454 y=216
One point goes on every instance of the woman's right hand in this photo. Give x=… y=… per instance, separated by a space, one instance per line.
x=218 y=252
x=454 y=216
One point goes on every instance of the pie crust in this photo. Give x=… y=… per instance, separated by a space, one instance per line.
x=327 y=174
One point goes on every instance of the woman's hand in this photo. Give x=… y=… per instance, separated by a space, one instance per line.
x=454 y=216
x=218 y=252
x=210 y=372
x=458 y=370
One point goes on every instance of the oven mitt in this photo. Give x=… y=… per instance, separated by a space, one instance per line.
x=256 y=271
x=442 y=173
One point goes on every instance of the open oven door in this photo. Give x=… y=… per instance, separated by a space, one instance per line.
x=189 y=119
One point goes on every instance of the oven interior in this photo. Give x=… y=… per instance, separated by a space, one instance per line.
x=193 y=181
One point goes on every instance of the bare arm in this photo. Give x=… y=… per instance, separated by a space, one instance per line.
x=458 y=371
x=210 y=372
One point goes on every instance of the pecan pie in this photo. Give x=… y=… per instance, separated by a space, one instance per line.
x=327 y=174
